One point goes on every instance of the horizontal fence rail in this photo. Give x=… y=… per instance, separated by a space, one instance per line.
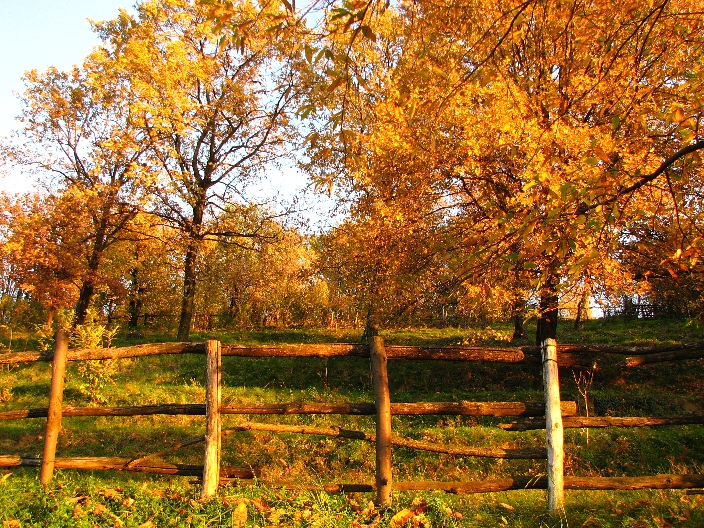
x=492 y=355
x=125 y=464
x=600 y=422
x=497 y=409
x=569 y=355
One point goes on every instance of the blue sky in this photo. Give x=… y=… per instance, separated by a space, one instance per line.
x=36 y=34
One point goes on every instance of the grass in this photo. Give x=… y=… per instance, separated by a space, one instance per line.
x=114 y=499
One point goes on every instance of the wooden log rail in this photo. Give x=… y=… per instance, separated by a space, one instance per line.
x=516 y=454
x=578 y=422
x=496 y=355
x=125 y=464
x=568 y=355
x=620 y=350
x=489 y=409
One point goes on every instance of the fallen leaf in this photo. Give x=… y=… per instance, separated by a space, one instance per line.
x=304 y=514
x=99 y=509
x=11 y=523
x=239 y=515
x=80 y=498
x=507 y=506
x=275 y=515
x=128 y=502
x=110 y=493
x=77 y=511
x=369 y=509
x=260 y=505
x=147 y=524
x=155 y=493
x=420 y=506
x=401 y=518
x=117 y=523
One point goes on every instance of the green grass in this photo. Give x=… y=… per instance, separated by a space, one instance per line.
x=110 y=498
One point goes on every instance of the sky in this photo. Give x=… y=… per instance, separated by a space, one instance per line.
x=37 y=34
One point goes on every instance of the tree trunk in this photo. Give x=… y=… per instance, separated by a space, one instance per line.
x=88 y=287
x=135 y=304
x=84 y=299
x=548 y=310
x=135 y=310
x=517 y=319
x=371 y=325
x=50 y=316
x=189 y=293
x=189 y=269
x=582 y=308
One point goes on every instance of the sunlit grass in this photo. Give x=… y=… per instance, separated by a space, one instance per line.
x=81 y=499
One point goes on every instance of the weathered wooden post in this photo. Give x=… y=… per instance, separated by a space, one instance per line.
x=553 y=426
x=382 y=398
x=211 y=465
x=53 y=422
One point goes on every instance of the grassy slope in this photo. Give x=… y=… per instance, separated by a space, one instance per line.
x=80 y=499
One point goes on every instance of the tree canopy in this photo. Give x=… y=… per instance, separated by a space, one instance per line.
x=486 y=160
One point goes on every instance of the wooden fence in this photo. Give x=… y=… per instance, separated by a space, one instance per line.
x=553 y=416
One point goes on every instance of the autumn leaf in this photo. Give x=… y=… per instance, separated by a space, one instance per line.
x=110 y=493
x=239 y=515
x=401 y=518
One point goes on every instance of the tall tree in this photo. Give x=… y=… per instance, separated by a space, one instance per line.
x=78 y=130
x=543 y=125
x=213 y=113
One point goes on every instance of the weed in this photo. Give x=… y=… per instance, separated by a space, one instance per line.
x=94 y=376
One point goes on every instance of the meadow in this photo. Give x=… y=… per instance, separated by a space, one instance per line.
x=130 y=499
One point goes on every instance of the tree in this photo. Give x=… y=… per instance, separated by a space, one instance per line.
x=78 y=129
x=268 y=280
x=43 y=247
x=544 y=126
x=213 y=113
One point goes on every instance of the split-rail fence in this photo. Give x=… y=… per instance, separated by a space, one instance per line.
x=554 y=416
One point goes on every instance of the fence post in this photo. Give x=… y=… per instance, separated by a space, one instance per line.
x=380 y=380
x=211 y=464
x=53 y=422
x=553 y=426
